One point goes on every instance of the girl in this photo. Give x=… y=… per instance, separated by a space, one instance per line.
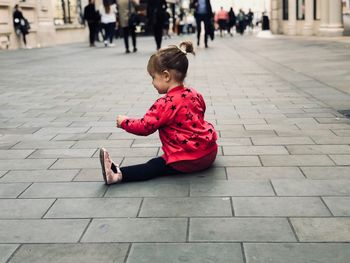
x=188 y=141
x=108 y=13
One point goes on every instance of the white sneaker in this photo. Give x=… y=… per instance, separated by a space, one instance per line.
x=111 y=45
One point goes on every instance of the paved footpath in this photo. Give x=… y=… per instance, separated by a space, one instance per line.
x=279 y=191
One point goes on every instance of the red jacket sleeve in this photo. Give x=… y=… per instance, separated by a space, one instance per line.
x=159 y=114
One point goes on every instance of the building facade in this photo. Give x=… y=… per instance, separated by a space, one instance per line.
x=308 y=17
x=51 y=22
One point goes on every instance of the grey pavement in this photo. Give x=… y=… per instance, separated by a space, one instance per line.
x=279 y=191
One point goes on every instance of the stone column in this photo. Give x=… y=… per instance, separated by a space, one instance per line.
x=335 y=26
x=275 y=19
x=324 y=17
x=331 y=18
x=309 y=18
x=292 y=17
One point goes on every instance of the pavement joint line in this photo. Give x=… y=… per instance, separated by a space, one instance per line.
x=128 y=252
x=43 y=216
x=232 y=207
x=325 y=204
x=243 y=252
x=188 y=230
x=13 y=253
x=140 y=207
x=84 y=231
x=293 y=229
x=302 y=172
x=18 y=196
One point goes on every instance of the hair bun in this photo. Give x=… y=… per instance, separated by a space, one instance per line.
x=187 y=47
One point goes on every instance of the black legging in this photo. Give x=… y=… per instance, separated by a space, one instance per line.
x=206 y=19
x=92 y=31
x=141 y=172
x=158 y=34
x=126 y=31
x=109 y=31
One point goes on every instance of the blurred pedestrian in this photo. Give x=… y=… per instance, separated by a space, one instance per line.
x=250 y=17
x=108 y=14
x=203 y=13
x=222 y=19
x=231 y=21
x=20 y=24
x=265 y=22
x=188 y=140
x=128 y=19
x=167 y=25
x=92 y=17
x=241 y=22
x=156 y=15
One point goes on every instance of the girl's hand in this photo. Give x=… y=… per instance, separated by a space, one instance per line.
x=120 y=119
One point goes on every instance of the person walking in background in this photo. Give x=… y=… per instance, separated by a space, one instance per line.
x=222 y=19
x=250 y=17
x=128 y=21
x=188 y=140
x=231 y=21
x=108 y=13
x=167 y=25
x=20 y=24
x=92 y=17
x=156 y=15
x=203 y=13
x=241 y=22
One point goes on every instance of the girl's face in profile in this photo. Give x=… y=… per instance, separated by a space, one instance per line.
x=159 y=81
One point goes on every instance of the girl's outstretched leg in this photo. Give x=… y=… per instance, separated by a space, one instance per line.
x=153 y=168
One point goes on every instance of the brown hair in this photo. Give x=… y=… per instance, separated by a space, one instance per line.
x=172 y=58
x=107 y=6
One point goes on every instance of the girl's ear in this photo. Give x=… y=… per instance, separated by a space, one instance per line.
x=166 y=75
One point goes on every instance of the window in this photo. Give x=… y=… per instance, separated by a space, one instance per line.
x=285 y=9
x=68 y=12
x=317 y=9
x=300 y=9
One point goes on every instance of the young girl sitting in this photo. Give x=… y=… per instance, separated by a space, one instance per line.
x=188 y=141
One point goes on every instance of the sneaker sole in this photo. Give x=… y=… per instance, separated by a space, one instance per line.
x=102 y=155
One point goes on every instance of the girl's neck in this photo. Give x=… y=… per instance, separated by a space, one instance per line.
x=174 y=85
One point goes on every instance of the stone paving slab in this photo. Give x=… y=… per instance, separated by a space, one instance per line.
x=263 y=173
x=24 y=208
x=26 y=164
x=322 y=229
x=57 y=190
x=42 y=231
x=185 y=252
x=12 y=190
x=240 y=229
x=149 y=189
x=39 y=176
x=186 y=207
x=232 y=188
x=136 y=230
x=296 y=160
x=79 y=253
x=311 y=187
x=279 y=206
x=64 y=153
x=254 y=150
x=94 y=208
x=6 y=250
x=334 y=172
x=339 y=206
x=297 y=252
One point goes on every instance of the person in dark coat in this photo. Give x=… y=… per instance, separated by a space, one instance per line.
x=231 y=20
x=203 y=13
x=91 y=16
x=156 y=15
x=20 y=24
